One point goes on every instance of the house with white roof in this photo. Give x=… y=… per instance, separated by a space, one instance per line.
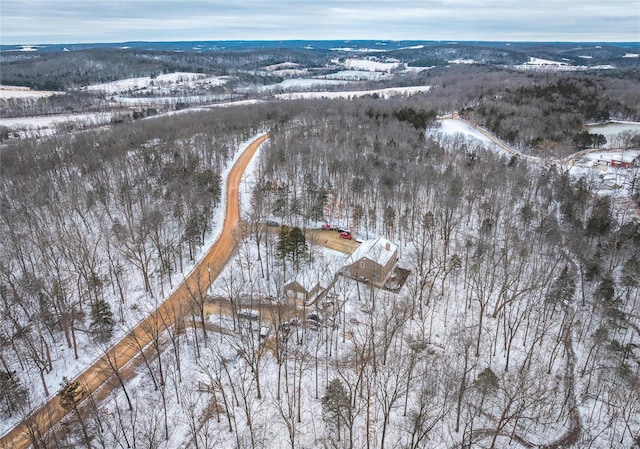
x=372 y=261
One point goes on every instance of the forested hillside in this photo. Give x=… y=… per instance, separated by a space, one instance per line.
x=519 y=323
x=92 y=222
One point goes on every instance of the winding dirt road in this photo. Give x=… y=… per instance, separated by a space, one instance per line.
x=109 y=367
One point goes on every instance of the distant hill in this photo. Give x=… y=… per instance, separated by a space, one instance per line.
x=63 y=66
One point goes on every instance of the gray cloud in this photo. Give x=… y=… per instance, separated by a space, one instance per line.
x=69 y=21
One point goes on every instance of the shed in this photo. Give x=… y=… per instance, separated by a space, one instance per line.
x=304 y=287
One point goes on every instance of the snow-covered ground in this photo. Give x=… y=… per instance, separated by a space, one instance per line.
x=413 y=69
x=357 y=75
x=385 y=93
x=360 y=50
x=293 y=84
x=160 y=85
x=47 y=125
x=456 y=127
x=198 y=374
x=462 y=61
x=371 y=66
x=7 y=92
x=601 y=177
x=87 y=349
x=538 y=64
x=172 y=101
x=314 y=357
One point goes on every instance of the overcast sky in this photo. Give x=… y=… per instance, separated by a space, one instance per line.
x=68 y=21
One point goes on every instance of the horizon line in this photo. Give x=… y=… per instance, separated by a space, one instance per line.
x=452 y=41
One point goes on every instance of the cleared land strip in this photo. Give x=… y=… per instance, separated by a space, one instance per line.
x=108 y=367
x=494 y=139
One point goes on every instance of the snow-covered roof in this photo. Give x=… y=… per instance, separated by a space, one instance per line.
x=379 y=250
x=307 y=279
x=628 y=157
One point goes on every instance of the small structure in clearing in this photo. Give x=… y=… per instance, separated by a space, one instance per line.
x=305 y=287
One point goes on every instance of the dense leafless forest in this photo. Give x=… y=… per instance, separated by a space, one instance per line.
x=518 y=325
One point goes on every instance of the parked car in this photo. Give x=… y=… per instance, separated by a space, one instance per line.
x=272 y=223
x=327 y=227
x=346 y=235
x=315 y=316
x=249 y=314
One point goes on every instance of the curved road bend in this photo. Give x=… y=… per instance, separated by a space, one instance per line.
x=127 y=349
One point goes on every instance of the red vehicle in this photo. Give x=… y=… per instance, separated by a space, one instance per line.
x=346 y=235
x=327 y=227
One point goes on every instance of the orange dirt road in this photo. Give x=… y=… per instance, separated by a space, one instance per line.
x=32 y=429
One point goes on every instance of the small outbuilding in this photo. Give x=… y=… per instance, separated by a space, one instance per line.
x=305 y=287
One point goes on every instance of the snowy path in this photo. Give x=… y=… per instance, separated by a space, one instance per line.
x=500 y=143
x=121 y=354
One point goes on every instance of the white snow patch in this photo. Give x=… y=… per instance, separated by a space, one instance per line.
x=356 y=75
x=162 y=83
x=359 y=50
x=455 y=127
x=412 y=69
x=385 y=93
x=7 y=92
x=538 y=64
x=372 y=66
x=291 y=84
x=462 y=61
x=47 y=124
x=543 y=62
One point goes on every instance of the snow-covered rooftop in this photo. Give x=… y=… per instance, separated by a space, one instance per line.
x=379 y=250
x=307 y=279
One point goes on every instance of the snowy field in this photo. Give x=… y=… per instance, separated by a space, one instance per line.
x=27 y=127
x=7 y=92
x=455 y=127
x=162 y=84
x=537 y=64
x=293 y=84
x=385 y=93
x=371 y=66
x=357 y=75
x=172 y=101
